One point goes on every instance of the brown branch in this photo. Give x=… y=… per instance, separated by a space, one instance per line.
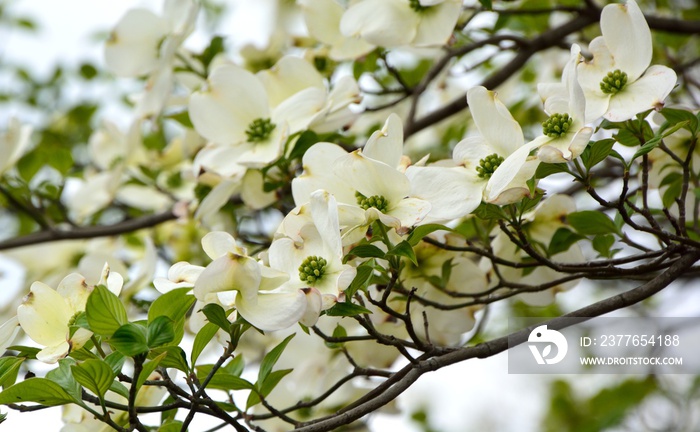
x=88 y=232
x=410 y=373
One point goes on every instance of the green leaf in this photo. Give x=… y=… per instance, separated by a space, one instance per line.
x=176 y=357
x=175 y=305
x=171 y=426
x=627 y=138
x=202 y=339
x=589 y=222
x=271 y=358
x=404 y=249
x=148 y=368
x=365 y=251
x=423 y=230
x=675 y=116
x=347 y=309
x=338 y=332
x=487 y=4
x=217 y=315
x=182 y=117
x=39 y=390
x=489 y=211
x=562 y=240
x=305 y=141
x=63 y=376
x=160 y=331
x=25 y=351
x=598 y=152
x=115 y=361
x=226 y=378
x=130 y=339
x=105 y=312
x=9 y=366
x=547 y=169
x=119 y=389
x=365 y=271
x=603 y=245
x=95 y=375
x=654 y=142
x=216 y=46
x=267 y=386
x=674 y=190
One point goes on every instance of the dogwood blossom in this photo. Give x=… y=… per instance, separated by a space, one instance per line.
x=46 y=314
x=493 y=166
x=322 y=18
x=392 y=23
x=316 y=261
x=13 y=143
x=565 y=134
x=618 y=82
x=233 y=278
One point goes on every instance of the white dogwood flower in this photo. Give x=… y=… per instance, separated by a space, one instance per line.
x=565 y=134
x=46 y=314
x=322 y=18
x=618 y=82
x=392 y=23
x=13 y=143
x=233 y=278
x=493 y=166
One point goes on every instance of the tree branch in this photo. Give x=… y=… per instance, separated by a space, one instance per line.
x=88 y=232
x=410 y=373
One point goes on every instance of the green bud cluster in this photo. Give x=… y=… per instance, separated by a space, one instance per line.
x=416 y=6
x=557 y=125
x=613 y=82
x=487 y=166
x=312 y=269
x=376 y=201
x=259 y=130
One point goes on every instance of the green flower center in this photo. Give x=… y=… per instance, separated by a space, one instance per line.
x=312 y=269
x=416 y=6
x=259 y=130
x=376 y=201
x=487 y=166
x=557 y=125
x=613 y=82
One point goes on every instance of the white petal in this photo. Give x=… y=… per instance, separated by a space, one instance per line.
x=470 y=151
x=286 y=256
x=318 y=173
x=44 y=315
x=452 y=192
x=234 y=98
x=314 y=303
x=387 y=23
x=647 y=92
x=322 y=18
x=274 y=310
x=289 y=76
x=143 y=197
x=409 y=211
x=370 y=177
x=219 y=243
x=563 y=149
x=494 y=121
x=8 y=333
x=229 y=273
x=253 y=193
x=324 y=212
x=75 y=291
x=437 y=24
x=513 y=173
x=132 y=48
x=627 y=35
x=299 y=110
x=386 y=145
x=52 y=354
x=220 y=159
x=216 y=198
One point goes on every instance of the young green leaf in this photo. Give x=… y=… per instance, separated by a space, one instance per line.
x=39 y=390
x=404 y=249
x=160 y=331
x=203 y=337
x=95 y=375
x=105 y=312
x=217 y=315
x=130 y=339
x=347 y=309
x=271 y=358
x=589 y=222
x=148 y=368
